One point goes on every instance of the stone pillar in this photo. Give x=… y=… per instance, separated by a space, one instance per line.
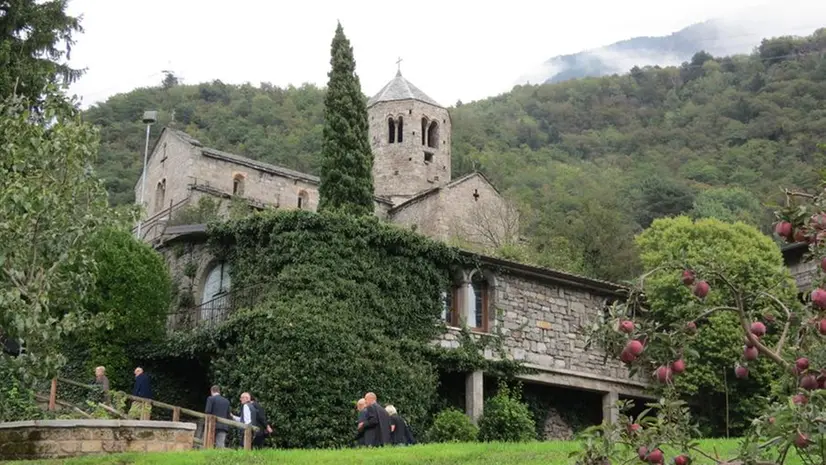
x=474 y=395
x=610 y=412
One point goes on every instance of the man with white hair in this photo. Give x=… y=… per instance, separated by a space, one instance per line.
x=361 y=407
x=249 y=416
x=399 y=430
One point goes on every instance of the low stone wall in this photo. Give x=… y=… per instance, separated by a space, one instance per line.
x=71 y=438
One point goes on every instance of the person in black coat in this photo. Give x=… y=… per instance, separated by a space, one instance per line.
x=142 y=387
x=261 y=416
x=400 y=433
x=218 y=405
x=377 y=424
x=361 y=407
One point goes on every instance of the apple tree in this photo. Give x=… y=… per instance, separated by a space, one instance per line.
x=773 y=327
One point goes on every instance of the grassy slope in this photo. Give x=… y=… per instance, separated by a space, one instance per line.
x=544 y=453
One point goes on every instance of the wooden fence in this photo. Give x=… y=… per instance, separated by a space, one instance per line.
x=210 y=421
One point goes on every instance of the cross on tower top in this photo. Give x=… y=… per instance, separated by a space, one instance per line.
x=398 y=63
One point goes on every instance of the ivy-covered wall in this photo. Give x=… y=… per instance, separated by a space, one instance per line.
x=351 y=305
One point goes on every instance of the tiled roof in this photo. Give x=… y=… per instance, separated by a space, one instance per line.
x=400 y=89
x=259 y=165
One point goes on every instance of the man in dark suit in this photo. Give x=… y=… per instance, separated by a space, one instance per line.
x=218 y=405
x=261 y=416
x=377 y=425
x=142 y=388
x=249 y=415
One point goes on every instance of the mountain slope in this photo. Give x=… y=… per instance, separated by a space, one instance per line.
x=590 y=161
x=717 y=37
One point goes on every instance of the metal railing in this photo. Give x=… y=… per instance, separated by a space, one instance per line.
x=212 y=312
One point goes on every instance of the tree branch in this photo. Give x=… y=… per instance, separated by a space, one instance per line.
x=784 y=335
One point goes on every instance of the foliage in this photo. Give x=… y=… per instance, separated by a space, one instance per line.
x=346 y=156
x=17 y=402
x=349 y=304
x=506 y=418
x=52 y=204
x=729 y=204
x=574 y=155
x=36 y=36
x=452 y=425
x=131 y=297
x=470 y=453
x=202 y=212
x=739 y=251
x=773 y=326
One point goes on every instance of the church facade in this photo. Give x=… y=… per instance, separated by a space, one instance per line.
x=537 y=312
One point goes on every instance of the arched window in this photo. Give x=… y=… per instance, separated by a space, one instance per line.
x=433 y=135
x=215 y=295
x=391 y=126
x=238 y=184
x=303 y=200
x=450 y=306
x=477 y=303
x=401 y=130
x=160 y=195
x=424 y=130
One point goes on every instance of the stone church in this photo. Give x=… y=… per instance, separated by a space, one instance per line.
x=410 y=137
x=537 y=311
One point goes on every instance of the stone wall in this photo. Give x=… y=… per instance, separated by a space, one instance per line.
x=24 y=440
x=469 y=209
x=804 y=273
x=401 y=170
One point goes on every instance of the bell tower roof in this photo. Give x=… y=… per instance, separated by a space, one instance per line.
x=400 y=89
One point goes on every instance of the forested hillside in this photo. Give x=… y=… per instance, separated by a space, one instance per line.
x=591 y=162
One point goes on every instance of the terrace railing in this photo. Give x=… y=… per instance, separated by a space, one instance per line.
x=211 y=313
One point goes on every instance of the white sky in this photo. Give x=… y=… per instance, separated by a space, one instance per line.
x=450 y=49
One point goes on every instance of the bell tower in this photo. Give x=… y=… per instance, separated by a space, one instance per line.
x=410 y=139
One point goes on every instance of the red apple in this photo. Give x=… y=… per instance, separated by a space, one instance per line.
x=691 y=327
x=758 y=329
x=800 y=235
x=741 y=372
x=626 y=326
x=701 y=289
x=783 y=229
x=818 y=220
x=819 y=298
x=802 y=363
x=800 y=399
x=627 y=357
x=681 y=460
x=771 y=420
x=750 y=353
x=663 y=374
x=808 y=382
x=801 y=441
x=821 y=327
x=634 y=428
x=688 y=277
x=642 y=453
x=678 y=366
x=634 y=347
x=656 y=456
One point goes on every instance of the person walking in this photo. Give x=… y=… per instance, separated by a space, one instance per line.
x=400 y=434
x=218 y=405
x=102 y=382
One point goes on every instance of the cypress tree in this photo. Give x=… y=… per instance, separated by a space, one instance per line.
x=346 y=158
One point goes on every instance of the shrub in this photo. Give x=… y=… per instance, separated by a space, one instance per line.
x=17 y=400
x=506 y=418
x=452 y=425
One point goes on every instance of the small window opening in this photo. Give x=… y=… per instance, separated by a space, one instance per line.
x=401 y=130
x=476 y=194
x=428 y=157
x=433 y=135
x=238 y=185
x=391 y=126
x=424 y=130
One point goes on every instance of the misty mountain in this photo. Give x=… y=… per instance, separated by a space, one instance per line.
x=717 y=37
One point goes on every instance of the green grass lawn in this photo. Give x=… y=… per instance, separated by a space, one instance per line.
x=544 y=453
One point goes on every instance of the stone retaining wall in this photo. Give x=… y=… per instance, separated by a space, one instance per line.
x=70 y=438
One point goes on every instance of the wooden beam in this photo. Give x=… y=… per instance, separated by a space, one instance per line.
x=53 y=395
x=248 y=438
x=176 y=414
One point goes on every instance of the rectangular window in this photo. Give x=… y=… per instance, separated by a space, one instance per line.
x=477 y=305
x=428 y=157
x=449 y=307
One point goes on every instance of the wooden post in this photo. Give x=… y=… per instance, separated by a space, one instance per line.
x=145 y=412
x=247 y=438
x=209 y=432
x=53 y=396
x=176 y=414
